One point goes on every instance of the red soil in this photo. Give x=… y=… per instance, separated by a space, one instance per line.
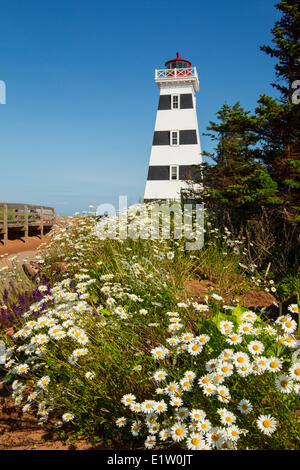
x=20 y=431
x=18 y=245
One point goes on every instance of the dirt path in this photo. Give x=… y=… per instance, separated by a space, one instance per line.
x=21 y=431
x=17 y=246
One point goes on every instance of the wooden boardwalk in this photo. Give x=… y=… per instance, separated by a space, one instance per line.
x=22 y=217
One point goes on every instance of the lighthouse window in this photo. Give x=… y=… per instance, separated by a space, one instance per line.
x=175 y=101
x=174 y=137
x=174 y=173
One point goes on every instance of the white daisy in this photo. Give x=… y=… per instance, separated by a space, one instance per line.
x=294 y=371
x=245 y=328
x=256 y=347
x=44 y=381
x=266 y=424
x=175 y=401
x=197 y=414
x=160 y=407
x=195 y=442
x=194 y=349
x=147 y=406
x=128 y=399
x=121 y=422
x=182 y=413
x=67 y=417
x=226 y=327
x=284 y=384
x=289 y=326
x=160 y=375
x=164 y=434
x=234 y=339
x=178 y=431
x=150 y=442
x=293 y=308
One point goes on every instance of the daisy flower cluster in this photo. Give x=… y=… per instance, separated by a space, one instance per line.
x=55 y=323
x=175 y=417
x=79 y=343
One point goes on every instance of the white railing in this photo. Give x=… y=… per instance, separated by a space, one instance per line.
x=168 y=75
x=176 y=73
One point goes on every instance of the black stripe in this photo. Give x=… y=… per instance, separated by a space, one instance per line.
x=161 y=138
x=159 y=173
x=187 y=171
x=162 y=172
x=186 y=101
x=164 y=102
x=187 y=137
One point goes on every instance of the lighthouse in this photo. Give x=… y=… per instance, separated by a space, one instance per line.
x=176 y=150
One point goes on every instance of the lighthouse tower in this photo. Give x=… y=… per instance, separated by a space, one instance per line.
x=176 y=145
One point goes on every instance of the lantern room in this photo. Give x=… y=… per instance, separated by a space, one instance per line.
x=178 y=63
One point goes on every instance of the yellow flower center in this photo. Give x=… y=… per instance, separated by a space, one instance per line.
x=179 y=431
x=195 y=441
x=297 y=371
x=256 y=347
x=273 y=364
x=266 y=423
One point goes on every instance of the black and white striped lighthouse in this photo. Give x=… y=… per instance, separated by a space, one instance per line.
x=176 y=146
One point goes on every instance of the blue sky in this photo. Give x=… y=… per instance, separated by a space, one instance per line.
x=81 y=99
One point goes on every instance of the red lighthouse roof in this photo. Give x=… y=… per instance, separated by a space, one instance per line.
x=178 y=62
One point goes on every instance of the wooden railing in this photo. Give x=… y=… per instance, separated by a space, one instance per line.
x=24 y=216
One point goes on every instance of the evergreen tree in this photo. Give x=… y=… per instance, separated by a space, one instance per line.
x=257 y=156
x=237 y=181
